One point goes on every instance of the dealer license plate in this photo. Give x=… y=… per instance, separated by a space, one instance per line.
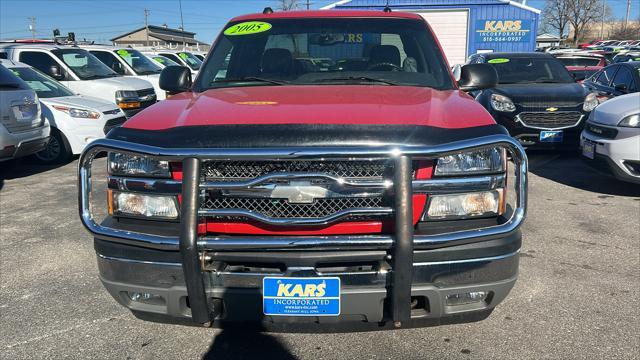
x=551 y=136
x=301 y=296
x=589 y=149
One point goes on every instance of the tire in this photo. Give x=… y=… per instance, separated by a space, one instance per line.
x=58 y=150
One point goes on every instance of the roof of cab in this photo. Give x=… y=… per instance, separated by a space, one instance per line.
x=327 y=14
x=43 y=46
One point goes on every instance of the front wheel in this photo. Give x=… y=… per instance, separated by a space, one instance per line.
x=57 y=151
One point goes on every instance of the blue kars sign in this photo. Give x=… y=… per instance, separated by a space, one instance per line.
x=503 y=30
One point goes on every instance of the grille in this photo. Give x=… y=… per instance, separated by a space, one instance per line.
x=242 y=170
x=605 y=132
x=281 y=208
x=111 y=112
x=543 y=103
x=550 y=120
x=113 y=123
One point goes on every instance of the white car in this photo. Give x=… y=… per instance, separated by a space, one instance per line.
x=611 y=137
x=83 y=73
x=183 y=58
x=22 y=130
x=75 y=120
x=129 y=62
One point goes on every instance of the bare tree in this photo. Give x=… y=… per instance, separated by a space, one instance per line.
x=556 y=15
x=625 y=31
x=288 y=5
x=583 y=14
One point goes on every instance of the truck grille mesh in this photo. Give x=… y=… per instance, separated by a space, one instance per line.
x=244 y=170
x=550 y=120
x=282 y=209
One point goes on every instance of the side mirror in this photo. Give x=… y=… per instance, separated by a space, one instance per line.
x=55 y=72
x=621 y=87
x=175 y=79
x=477 y=77
x=578 y=76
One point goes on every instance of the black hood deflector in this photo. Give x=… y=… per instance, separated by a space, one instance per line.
x=285 y=135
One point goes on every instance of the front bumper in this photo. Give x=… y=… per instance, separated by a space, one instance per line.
x=612 y=155
x=530 y=136
x=413 y=272
x=365 y=294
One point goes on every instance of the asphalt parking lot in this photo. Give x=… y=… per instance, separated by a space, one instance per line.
x=577 y=295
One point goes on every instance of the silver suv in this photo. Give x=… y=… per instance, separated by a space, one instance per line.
x=22 y=130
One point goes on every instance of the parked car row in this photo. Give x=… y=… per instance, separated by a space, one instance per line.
x=81 y=93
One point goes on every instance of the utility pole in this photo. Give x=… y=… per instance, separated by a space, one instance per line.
x=146 y=24
x=309 y=3
x=182 y=25
x=604 y=10
x=626 y=21
x=32 y=27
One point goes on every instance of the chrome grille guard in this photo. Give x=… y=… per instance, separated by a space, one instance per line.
x=400 y=244
x=397 y=154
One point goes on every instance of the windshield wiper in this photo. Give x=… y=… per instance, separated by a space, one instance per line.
x=252 y=79
x=357 y=78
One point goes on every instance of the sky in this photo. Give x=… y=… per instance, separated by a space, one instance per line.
x=101 y=20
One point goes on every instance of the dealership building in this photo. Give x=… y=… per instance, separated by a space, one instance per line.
x=466 y=27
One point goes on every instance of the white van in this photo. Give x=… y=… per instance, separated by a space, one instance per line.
x=183 y=58
x=75 y=120
x=129 y=62
x=83 y=73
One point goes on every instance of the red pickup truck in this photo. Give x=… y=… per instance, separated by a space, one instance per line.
x=324 y=169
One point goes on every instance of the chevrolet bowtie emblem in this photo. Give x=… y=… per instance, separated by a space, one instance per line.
x=552 y=109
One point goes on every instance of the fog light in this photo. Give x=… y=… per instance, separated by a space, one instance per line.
x=142 y=206
x=466 y=298
x=462 y=206
x=145 y=298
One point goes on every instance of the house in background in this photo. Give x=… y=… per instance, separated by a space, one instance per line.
x=547 y=40
x=162 y=37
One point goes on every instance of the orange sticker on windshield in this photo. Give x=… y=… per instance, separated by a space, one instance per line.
x=257 y=103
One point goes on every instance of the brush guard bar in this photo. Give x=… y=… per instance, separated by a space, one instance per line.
x=400 y=244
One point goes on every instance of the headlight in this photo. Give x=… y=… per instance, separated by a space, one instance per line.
x=135 y=165
x=78 y=113
x=142 y=205
x=590 y=102
x=126 y=95
x=502 y=103
x=630 y=121
x=463 y=206
x=490 y=160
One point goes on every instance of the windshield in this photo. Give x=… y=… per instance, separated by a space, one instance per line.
x=10 y=81
x=519 y=70
x=43 y=85
x=140 y=63
x=84 y=64
x=569 y=61
x=193 y=62
x=332 y=51
x=165 y=61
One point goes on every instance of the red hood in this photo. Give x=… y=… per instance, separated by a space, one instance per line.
x=324 y=104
